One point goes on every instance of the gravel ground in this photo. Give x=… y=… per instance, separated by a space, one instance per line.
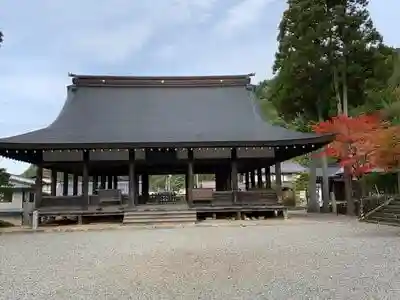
x=317 y=259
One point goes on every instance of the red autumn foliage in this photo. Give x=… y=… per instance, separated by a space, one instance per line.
x=387 y=155
x=358 y=141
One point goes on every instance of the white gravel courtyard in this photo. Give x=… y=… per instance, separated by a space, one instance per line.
x=317 y=258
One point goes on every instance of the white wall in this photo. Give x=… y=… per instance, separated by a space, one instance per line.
x=16 y=203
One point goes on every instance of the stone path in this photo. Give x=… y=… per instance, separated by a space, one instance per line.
x=307 y=257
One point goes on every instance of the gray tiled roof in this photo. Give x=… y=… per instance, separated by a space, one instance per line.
x=156 y=116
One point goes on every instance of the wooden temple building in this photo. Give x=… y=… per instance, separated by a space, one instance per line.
x=113 y=126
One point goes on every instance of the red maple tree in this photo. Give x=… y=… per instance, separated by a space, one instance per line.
x=357 y=142
x=387 y=144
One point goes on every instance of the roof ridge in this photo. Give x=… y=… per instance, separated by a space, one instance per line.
x=160 y=77
x=161 y=81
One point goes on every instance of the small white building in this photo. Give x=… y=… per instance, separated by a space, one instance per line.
x=21 y=190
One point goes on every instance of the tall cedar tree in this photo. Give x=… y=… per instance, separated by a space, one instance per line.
x=301 y=63
x=317 y=41
x=4 y=176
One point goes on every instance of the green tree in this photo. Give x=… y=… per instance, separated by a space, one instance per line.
x=30 y=172
x=301 y=90
x=328 y=56
x=4 y=178
x=268 y=110
x=5 y=187
x=301 y=66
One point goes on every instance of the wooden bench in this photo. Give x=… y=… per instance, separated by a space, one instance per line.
x=222 y=198
x=62 y=201
x=258 y=197
x=202 y=195
x=110 y=197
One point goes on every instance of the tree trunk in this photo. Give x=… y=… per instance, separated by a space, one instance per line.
x=325 y=179
x=337 y=91
x=348 y=192
x=325 y=185
x=313 y=205
x=363 y=186
x=398 y=182
x=347 y=170
x=345 y=89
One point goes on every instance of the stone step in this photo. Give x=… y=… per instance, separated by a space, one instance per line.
x=393 y=206
x=174 y=216
x=159 y=220
x=155 y=221
x=385 y=219
x=155 y=217
x=388 y=219
x=383 y=222
x=389 y=210
x=160 y=212
x=388 y=214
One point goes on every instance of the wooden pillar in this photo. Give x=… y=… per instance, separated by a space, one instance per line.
x=268 y=184
x=65 y=183
x=219 y=180
x=75 y=185
x=313 y=205
x=252 y=179
x=115 y=183
x=95 y=183
x=138 y=188
x=38 y=185
x=187 y=185
x=53 y=188
x=132 y=178
x=189 y=191
x=234 y=174
x=278 y=180
x=109 y=182
x=85 y=177
x=325 y=183
x=259 y=178
x=145 y=186
x=103 y=180
x=228 y=180
x=247 y=180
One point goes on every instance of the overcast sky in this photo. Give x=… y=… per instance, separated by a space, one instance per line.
x=46 y=39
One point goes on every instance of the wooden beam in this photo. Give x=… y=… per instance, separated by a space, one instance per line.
x=132 y=177
x=38 y=185
x=53 y=188
x=234 y=174
x=189 y=191
x=85 y=177
x=75 y=184
x=65 y=184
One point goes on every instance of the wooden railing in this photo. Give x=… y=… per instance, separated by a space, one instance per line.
x=110 y=197
x=67 y=202
x=254 y=197
x=265 y=197
x=163 y=198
